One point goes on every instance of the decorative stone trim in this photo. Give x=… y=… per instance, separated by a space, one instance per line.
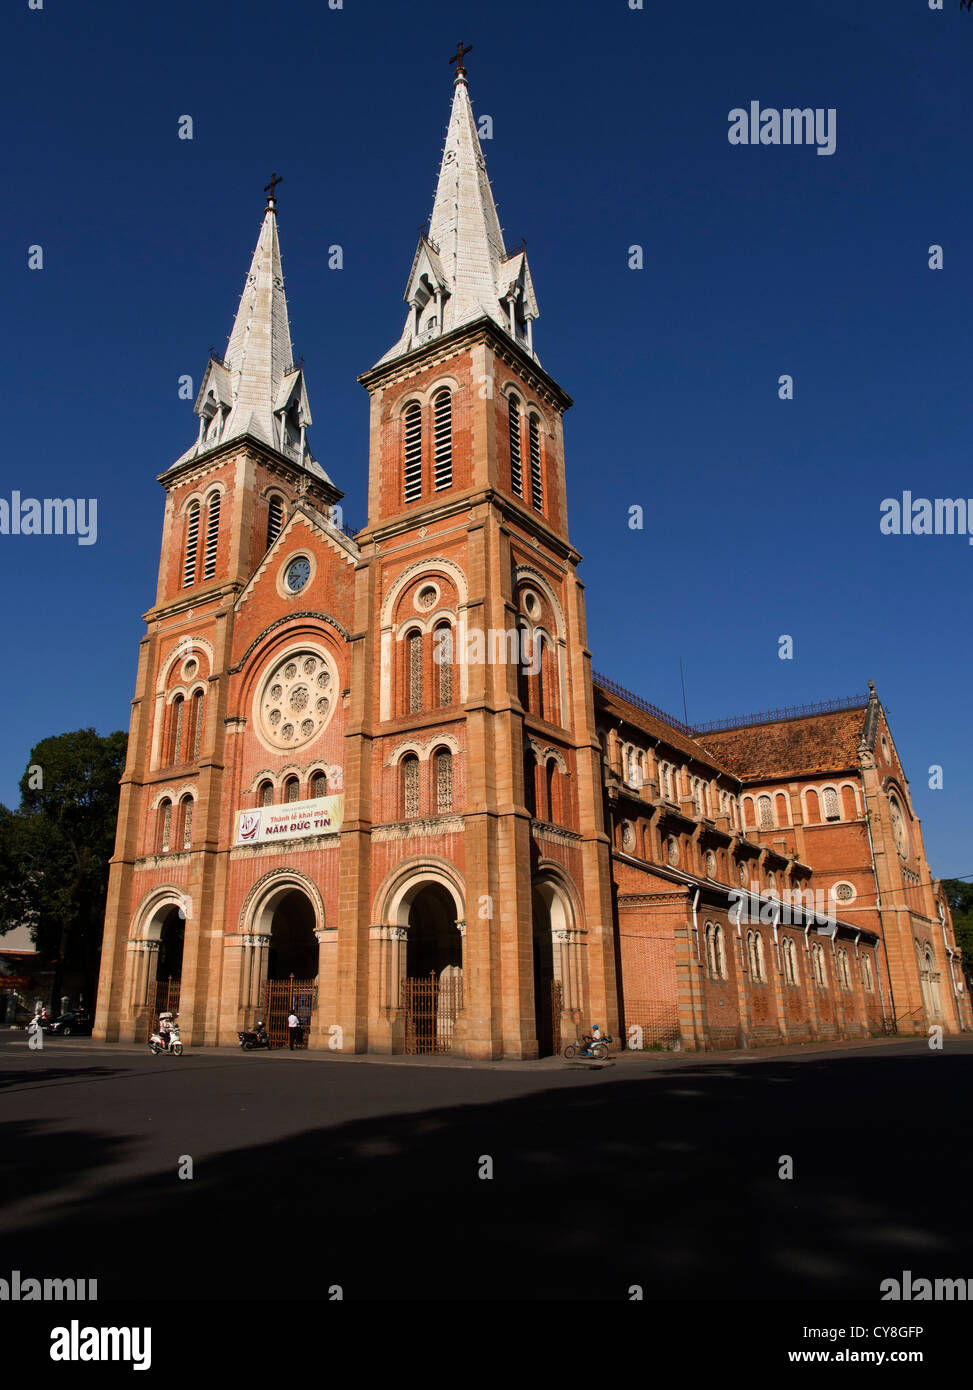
x=413 y=829
x=287 y=621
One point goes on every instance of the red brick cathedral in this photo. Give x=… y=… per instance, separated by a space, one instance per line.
x=373 y=779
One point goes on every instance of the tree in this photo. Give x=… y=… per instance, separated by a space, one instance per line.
x=55 y=850
x=959 y=895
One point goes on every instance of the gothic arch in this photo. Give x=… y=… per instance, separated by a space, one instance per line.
x=527 y=573
x=184 y=648
x=257 y=912
x=148 y=916
x=404 y=883
x=415 y=571
x=425 y=396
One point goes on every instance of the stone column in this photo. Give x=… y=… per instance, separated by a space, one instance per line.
x=386 y=970
x=321 y=1035
x=144 y=956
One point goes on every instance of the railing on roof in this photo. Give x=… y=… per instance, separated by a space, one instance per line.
x=220 y=361
x=615 y=689
x=739 y=721
x=742 y=721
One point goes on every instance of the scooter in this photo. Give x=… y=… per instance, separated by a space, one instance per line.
x=254 y=1038
x=166 y=1042
x=588 y=1046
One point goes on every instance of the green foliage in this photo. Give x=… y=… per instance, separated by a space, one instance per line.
x=959 y=895
x=55 y=850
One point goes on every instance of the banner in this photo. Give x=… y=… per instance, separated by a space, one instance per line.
x=321 y=816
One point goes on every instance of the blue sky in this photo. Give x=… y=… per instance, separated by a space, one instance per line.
x=610 y=130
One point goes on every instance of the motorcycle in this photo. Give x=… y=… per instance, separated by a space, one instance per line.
x=251 y=1038
x=166 y=1040
x=588 y=1046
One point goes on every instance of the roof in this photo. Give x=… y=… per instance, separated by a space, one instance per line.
x=657 y=727
x=790 y=747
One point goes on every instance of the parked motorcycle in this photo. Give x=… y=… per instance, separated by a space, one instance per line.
x=254 y=1037
x=166 y=1039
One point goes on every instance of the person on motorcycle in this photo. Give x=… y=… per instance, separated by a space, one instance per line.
x=260 y=1030
x=165 y=1029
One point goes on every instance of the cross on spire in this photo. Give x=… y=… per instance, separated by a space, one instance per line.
x=458 y=57
x=271 y=188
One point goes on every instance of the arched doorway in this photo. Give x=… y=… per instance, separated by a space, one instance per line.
x=432 y=988
x=168 y=964
x=287 y=920
x=558 y=982
x=547 y=1007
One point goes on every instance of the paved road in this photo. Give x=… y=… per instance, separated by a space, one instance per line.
x=661 y=1171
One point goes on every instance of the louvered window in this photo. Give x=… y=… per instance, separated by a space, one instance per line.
x=415 y=672
x=175 y=729
x=187 y=822
x=165 y=824
x=443 y=440
x=275 y=520
x=536 y=482
x=444 y=782
x=192 y=544
x=410 y=787
x=197 y=713
x=413 y=453
x=516 y=471
x=444 y=660
x=212 y=535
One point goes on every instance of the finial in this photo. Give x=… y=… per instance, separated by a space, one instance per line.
x=271 y=192
x=458 y=57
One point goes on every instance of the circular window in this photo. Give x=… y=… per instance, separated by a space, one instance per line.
x=710 y=864
x=531 y=603
x=295 y=701
x=843 y=892
x=297 y=573
x=189 y=669
x=672 y=851
x=427 y=596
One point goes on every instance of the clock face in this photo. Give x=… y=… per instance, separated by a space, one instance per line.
x=298 y=573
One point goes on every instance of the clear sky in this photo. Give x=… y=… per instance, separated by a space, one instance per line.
x=610 y=130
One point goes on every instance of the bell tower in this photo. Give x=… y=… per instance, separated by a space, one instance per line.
x=473 y=761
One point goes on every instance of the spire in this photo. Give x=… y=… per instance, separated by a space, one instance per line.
x=257 y=389
x=461 y=271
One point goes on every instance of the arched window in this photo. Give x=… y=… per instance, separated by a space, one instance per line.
x=755 y=950
x=410 y=786
x=530 y=782
x=843 y=969
x=176 y=714
x=443 y=763
x=719 y=954
x=790 y=961
x=817 y=960
x=547 y=691
x=186 y=822
x=192 y=545
x=536 y=480
x=292 y=789
x=442 y=412
x=867 y=974
x=516 y=468
x=212 y=534
x=698 y=795
x=275 y=519
x=412 y=459
x=443 y=659
x=164 y=827
x=319 y=784
x=265 y=794
x=552 y=808
x=765 y=809
x=832 y=811
x=414 y=653
x=710 y=952
x=195 y=725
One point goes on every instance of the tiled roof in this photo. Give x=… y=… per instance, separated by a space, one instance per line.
x=615 y=705
x=795 y=747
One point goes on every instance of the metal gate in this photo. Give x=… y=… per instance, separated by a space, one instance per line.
x=431 y=1006
x=163 y=998
x=557 y=1004
x=282 y=997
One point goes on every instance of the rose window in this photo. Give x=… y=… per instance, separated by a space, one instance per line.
x=291 y=711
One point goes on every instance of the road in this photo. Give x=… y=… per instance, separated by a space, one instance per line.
x=662 y=1171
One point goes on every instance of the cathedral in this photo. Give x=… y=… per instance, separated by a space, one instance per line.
x=373 y=780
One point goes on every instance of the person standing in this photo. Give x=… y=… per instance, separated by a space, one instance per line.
x=294 y=1029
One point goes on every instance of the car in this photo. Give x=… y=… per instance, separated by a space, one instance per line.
x=77 y=1021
